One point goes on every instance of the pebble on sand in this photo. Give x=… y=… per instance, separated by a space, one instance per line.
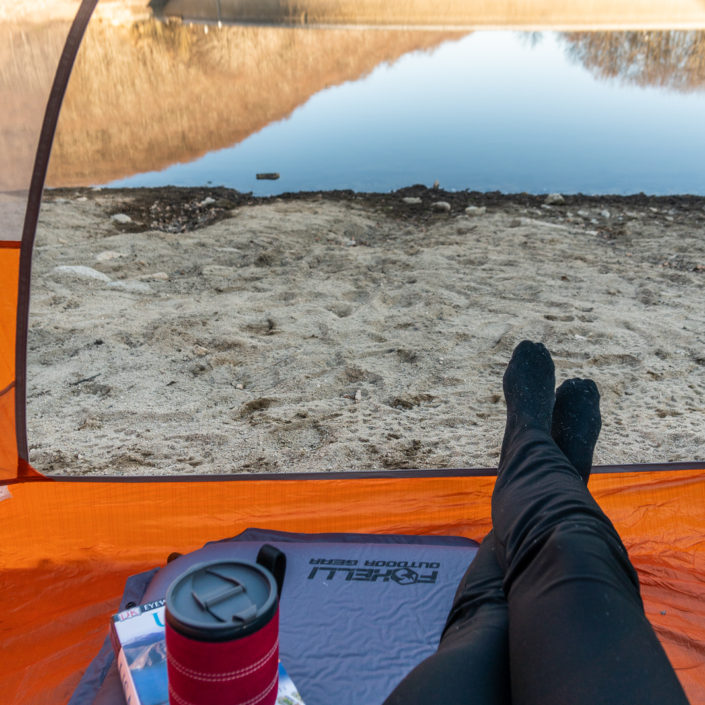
x=121 y=218
x=79 y=271
x=131 y=285
x=412 y=201
x=154 y=276
x=108 y=255
x=554 y=199
x=476 y=210
x=441 y=206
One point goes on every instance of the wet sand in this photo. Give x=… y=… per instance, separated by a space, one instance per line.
x=215 y=332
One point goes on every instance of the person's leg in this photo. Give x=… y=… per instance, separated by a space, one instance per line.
x=577 y=629
x=471 y=665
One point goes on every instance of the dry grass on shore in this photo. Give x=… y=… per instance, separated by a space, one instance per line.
x=476 y=14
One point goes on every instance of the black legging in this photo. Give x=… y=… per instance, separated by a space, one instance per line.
x=572 y=628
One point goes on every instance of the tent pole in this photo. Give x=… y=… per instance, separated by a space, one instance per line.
x=34 y=200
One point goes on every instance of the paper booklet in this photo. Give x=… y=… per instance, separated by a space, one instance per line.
x=137 y=635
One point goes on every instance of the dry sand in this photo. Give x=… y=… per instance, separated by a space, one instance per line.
x=335 y=332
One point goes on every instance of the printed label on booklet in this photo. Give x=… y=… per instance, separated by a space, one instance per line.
x=138 y=640
x=139 y=643
x=287 y=693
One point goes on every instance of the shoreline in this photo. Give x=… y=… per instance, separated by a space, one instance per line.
x=216 y=332
x=487 y=197
x=137 y=200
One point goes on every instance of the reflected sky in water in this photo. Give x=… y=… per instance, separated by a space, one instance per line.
x=493 y=111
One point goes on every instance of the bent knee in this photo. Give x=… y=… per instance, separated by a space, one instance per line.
x=583 y=553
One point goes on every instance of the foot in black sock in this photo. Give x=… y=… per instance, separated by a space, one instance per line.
x=577 y=422
x=529 y=384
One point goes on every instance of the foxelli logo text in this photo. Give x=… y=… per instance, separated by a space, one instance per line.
x=399 y=572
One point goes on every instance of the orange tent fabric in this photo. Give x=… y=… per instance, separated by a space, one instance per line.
x=9 y=266
x=68 y=545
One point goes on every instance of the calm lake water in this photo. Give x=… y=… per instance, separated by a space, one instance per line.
x=494 y=110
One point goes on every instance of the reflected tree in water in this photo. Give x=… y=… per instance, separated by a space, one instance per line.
x=673 y=59
x=149 y=94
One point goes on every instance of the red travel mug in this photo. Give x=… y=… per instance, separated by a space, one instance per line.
x=222 y=635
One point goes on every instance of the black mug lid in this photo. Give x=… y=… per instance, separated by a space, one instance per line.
x=221 y=600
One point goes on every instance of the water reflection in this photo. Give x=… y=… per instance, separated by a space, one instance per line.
x=148 y=95
x=674 y=60
x=193 y=104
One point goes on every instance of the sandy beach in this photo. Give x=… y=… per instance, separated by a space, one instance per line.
x=180 y=331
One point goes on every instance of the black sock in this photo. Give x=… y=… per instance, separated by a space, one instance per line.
x=529 y=382
x=577 y=422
